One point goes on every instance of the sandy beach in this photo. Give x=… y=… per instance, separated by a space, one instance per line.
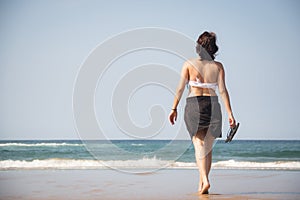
x=164 y=184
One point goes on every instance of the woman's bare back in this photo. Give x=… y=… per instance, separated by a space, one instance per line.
x=206 y=72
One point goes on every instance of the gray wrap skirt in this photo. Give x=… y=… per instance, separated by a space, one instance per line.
x=203 y=113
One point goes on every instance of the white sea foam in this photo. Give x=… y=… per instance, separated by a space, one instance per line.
x=184 y=165
x=56 y=163
x=38 y=144
x=232 y=164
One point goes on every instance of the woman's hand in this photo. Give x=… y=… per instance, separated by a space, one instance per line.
x=231 y=120
x=173 y=116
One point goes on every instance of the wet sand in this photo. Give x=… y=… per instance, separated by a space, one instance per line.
x=162 y=185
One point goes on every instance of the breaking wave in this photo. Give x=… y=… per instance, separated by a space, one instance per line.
x=56 y=163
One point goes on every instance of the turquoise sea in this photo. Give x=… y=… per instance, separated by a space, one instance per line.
x=76 y=154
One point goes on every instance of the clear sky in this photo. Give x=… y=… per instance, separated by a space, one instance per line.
x=44 y=43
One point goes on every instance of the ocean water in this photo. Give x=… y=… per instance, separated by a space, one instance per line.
x=149 y=154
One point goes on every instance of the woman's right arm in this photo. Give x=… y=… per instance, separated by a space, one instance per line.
x=181 y=85
x=224 y=94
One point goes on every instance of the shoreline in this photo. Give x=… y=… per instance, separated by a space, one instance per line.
x=161 y=185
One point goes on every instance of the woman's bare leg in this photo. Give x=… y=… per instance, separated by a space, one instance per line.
x=209 y=160
x=198 y=146
x=203 y=146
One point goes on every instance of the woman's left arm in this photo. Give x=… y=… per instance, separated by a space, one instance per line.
x=179 y=91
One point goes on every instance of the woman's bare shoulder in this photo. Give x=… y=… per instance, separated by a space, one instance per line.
x=190 y=62
x=219 y=64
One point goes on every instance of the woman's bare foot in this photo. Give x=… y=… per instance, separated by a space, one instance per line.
x=205 y=188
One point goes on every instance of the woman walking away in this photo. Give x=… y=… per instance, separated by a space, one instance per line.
x=202 y=113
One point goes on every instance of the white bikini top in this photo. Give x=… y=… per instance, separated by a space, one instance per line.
x=198 y=83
